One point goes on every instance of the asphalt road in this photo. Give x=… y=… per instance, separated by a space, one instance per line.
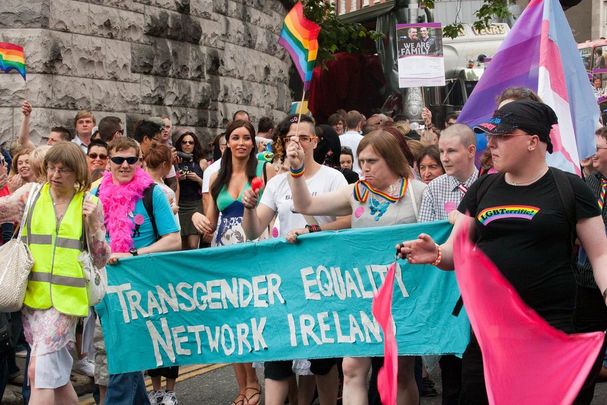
x=218 y=387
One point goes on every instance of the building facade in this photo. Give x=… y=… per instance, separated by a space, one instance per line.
x=196 y=61
x=588 y=19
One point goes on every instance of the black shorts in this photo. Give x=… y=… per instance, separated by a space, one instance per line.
x=281 y=370
x=166 y=372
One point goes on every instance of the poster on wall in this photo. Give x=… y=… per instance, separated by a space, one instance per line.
x=420 y=55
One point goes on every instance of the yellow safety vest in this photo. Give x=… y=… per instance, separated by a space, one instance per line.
x=57 y=278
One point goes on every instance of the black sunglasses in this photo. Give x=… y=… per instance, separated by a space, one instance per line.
x=95 y=156
x=120 y=160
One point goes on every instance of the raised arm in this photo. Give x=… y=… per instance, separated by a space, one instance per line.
x=24 y=130
x=335 y=203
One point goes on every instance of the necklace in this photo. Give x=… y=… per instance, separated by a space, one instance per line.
x=362 y=189
x=512 y=183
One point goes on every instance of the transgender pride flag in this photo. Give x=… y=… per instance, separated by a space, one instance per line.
x=541 y=54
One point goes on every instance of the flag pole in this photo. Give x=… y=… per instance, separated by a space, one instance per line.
x=303 y=96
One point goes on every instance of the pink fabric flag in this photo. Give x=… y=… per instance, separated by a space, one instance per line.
x=382 y=311
x=526 y=361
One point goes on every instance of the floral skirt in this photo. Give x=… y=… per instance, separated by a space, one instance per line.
x=51 y=335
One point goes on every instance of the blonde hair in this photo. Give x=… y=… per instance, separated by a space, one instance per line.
x=71 y=156
x=37 y=162
x=84 y=114
x=416 y=148
x=123 y=143
x=20 y=152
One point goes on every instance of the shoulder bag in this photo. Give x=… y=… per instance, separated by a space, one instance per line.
x=96 y=279
x=16 y=262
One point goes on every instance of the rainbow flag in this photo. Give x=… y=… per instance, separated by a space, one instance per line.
x=12 y=57
x=299 y=36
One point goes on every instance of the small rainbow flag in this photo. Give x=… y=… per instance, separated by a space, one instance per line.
x=12 y=57
x=299 y=36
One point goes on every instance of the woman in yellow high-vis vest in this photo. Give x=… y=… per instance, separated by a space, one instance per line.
x=56 y=292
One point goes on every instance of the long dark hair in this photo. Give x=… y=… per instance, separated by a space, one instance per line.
x=329 y=147
x=225 y=172
x=197 y=153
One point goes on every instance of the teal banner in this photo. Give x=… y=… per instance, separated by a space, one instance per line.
x=273 y=300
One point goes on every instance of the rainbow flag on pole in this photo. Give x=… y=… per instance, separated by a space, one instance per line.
x=12 y=57
x=299 y=36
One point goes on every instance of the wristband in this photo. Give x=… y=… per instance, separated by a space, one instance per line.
x=439 y=256
x=313 y=228
x=297 y=172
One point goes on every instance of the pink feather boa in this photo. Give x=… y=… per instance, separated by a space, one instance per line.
x=118 y=205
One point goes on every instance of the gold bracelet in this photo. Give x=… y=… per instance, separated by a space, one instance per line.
x=439 y=255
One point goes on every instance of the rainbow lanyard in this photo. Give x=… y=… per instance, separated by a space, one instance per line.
x=603 y=189
x=363 y=195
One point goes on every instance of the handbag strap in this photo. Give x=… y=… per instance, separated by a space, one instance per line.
x=26 y=220
x=85 y=238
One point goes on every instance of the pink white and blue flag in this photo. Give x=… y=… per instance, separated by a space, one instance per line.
x=541 y=54
x=526 y=361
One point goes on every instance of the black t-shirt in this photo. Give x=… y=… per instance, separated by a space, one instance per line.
x=525 y=232
x=189 y=190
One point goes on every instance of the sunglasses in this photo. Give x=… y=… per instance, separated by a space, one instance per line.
x=302 y=138
x=120 y=160
x=100 y=156
x=187 y=142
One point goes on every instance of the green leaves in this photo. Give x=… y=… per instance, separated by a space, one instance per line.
x=489 y=10
x=335 y=35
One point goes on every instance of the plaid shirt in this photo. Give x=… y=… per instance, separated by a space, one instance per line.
x=442 y=196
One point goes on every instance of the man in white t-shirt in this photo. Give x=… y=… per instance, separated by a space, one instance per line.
x=351 y=138
x=276 y=201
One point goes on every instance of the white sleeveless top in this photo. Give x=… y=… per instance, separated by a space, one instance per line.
x=376 y=210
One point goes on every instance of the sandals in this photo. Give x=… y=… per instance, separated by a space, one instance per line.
x=255 y=397
x=239 y=400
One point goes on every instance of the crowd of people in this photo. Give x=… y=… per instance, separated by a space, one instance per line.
x=160 y=190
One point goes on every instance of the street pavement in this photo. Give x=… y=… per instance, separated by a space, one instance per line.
x=215 y=385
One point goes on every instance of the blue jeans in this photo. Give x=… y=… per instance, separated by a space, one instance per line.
x=127 y=389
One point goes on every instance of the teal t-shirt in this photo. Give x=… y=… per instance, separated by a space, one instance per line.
x=143 y=235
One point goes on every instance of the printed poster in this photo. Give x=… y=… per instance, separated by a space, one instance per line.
x=420 y=55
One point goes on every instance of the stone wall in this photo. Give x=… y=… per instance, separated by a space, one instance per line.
x=197 y=61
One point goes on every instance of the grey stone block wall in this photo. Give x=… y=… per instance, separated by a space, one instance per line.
x=197 y=61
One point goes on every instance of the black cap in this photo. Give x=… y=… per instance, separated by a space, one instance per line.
x=530 y=116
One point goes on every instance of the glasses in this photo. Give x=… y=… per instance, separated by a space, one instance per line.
x=187 y=142
x=302 y=138
x=60 y=170
x=598 y=148
x=120 y=160
x=101 y=156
